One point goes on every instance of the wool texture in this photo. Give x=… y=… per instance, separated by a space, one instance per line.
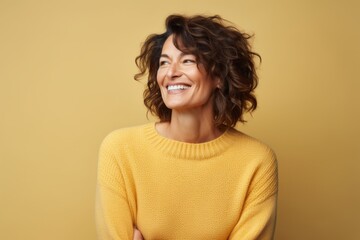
x=222 y=189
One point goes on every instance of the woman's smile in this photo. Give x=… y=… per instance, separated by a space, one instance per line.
x=177 y=88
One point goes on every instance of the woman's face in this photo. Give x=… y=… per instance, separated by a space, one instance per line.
x=184 y=84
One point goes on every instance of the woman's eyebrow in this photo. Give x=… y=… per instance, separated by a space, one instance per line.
x=181 y=55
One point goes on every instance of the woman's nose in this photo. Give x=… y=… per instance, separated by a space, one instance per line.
x=174 y=71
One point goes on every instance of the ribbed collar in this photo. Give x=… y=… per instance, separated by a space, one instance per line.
x=191 y=151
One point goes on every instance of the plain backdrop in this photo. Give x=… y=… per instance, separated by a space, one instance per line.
x=66 y=80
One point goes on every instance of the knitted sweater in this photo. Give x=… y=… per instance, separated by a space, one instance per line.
x=222 y=189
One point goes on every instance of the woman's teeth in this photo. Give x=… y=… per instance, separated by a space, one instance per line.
x=177 y=87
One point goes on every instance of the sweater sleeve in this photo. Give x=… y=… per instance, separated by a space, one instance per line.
x=113 y=215
x=258 y=217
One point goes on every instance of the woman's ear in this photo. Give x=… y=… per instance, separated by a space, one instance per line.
x=218 y=83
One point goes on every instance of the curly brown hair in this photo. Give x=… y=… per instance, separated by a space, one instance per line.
x=224 y=51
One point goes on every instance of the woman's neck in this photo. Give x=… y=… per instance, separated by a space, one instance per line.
x=189 y=127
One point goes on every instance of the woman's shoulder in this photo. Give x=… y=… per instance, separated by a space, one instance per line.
x=255 y=153
x=251 y=144
x=126 y=135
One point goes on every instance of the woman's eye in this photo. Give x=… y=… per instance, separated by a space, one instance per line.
x=162 y=63
x=189 y=61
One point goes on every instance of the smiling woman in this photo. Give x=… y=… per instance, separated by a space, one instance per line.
x=190 y=175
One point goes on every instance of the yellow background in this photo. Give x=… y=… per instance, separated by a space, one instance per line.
x=66 y=71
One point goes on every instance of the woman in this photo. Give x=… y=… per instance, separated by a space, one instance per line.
x=191 y=175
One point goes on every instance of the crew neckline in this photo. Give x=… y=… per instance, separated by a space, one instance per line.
x=185 y=150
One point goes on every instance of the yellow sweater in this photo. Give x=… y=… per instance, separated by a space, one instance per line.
x=222 y=189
